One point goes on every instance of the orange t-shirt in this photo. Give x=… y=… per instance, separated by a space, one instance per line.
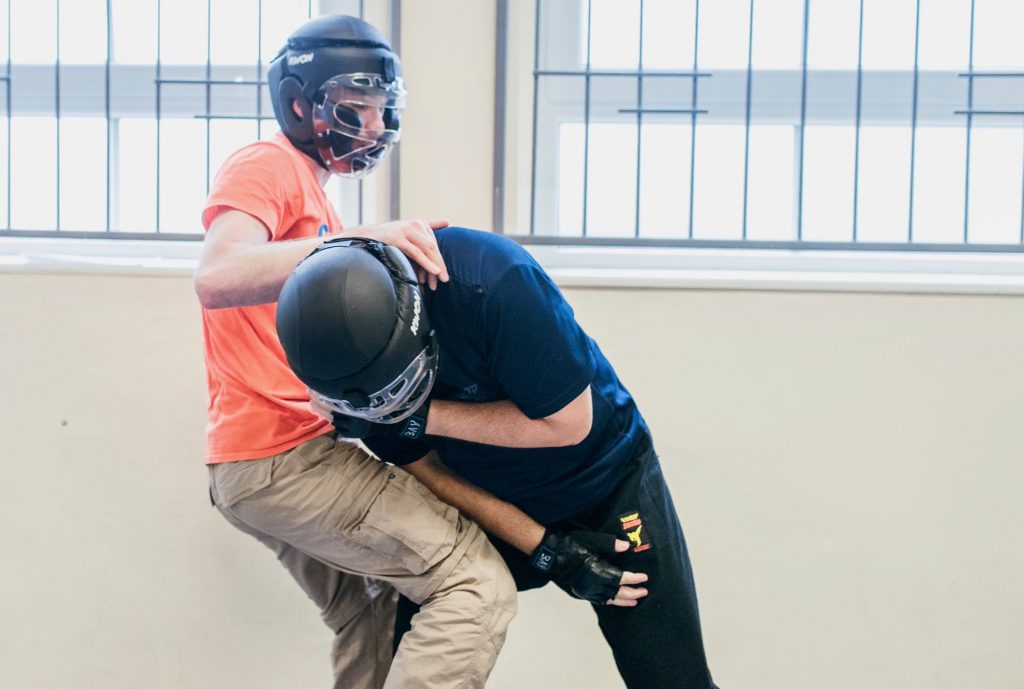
x=257 y=407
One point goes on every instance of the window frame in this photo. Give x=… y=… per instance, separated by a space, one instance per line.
x=567 y=252
x=51 y=90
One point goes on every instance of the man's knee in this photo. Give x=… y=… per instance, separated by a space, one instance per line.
x=505 y=599
x=353 y=597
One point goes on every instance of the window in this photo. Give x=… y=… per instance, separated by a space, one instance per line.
x=811 y=124
x=116 y=114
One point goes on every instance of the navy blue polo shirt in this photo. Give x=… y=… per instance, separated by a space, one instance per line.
x=506 y=333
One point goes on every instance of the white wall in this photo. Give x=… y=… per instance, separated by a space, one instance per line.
x=847 y=467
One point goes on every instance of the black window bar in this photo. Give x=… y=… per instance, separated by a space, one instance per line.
x=208 y=82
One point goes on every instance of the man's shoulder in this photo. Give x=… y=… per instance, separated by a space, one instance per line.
x=482 y=256
x=265 y=151
x=266 y=167
x=464 y=237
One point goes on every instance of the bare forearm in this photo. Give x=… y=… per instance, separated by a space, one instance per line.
x=494 y=516
x=240 y=267
x=245 y=274
x=502 y=423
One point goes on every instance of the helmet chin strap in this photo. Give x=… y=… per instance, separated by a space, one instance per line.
x=311 y=151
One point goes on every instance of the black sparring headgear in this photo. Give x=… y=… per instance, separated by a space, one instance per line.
x=324 y=58
x=354 y=329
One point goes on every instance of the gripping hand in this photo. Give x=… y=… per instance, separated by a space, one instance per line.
x=410 y=428
x=576 y=569
x=350 y=426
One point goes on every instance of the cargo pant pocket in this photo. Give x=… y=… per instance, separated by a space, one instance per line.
x=408 y=523
x=231 y=482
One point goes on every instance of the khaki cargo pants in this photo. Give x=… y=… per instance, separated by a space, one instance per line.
x=352 y=531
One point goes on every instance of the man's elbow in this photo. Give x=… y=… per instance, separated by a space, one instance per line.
x=208 y=289
x=573 y=431
x=575 y=436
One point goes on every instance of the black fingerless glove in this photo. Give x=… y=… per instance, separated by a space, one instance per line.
x=350 y=426
x=575 y=568
x=409 y=428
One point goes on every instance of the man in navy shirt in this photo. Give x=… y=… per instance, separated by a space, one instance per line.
x=490 y=379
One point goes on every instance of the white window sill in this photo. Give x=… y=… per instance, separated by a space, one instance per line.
x=98 y=256
x=812 y=271
x=602 y=267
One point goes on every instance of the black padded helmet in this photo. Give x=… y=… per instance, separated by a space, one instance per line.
x=334 y=68
x=354 y=329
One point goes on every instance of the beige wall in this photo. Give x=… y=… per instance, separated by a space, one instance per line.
x=847 y=467
x=448 y=131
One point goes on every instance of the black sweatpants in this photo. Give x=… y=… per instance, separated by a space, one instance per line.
x=657 y=644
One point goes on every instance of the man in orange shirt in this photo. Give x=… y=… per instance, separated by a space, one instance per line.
x=349 y=529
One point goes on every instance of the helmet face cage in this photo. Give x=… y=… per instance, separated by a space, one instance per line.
x=357 y=121
x=398 y=399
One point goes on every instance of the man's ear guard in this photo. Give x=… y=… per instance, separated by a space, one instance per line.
x=297 y=127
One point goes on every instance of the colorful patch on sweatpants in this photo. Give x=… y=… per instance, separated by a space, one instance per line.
x=633 y=525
